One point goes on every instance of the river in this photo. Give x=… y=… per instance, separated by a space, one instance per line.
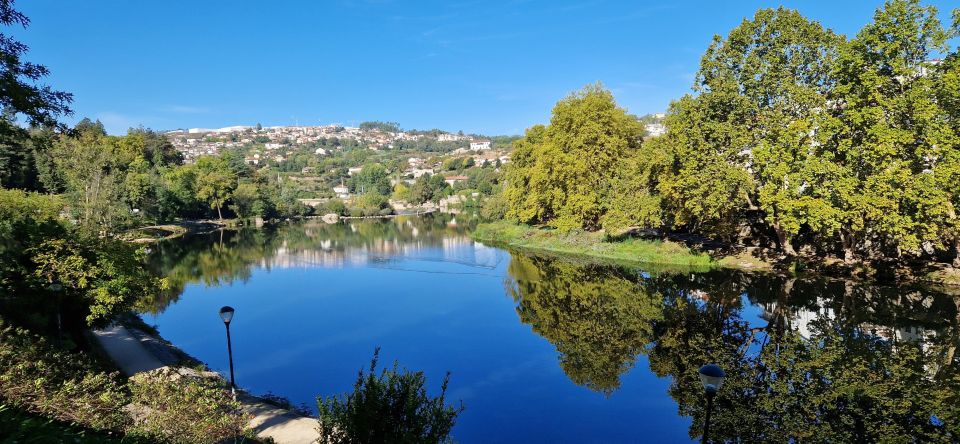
x=547 y=350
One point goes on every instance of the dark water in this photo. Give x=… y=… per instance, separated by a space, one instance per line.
x=547 y=350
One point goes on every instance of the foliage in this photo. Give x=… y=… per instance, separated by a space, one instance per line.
x=559 y=173
x=18 y=426
x=390 y=127
x=401 y=192
x=595 y=319
x=22 y=93
x=372 y=178
x=99 y=278
x=183 y=409
x=792 y=137
x=113 y=181
x=896 y=156
x=214 y=181
x=429 y=188
x=390 y=407
x=372 y=204
x=826 y=362
x=38 y=377
x=748 y=137
x=494 y=208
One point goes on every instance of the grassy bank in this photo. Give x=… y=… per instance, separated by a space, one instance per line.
x=596 y=246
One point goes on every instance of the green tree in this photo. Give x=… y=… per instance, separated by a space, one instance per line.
x=92 y=167
x=372 y=178
x=22 y=93
x=244 y=200
x=560 y=172
x=891 y=135
x=765 y=88
x=215 y=182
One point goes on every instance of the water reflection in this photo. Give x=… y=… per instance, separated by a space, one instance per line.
x=807 y=359
x=824 y=361
x=224 y=256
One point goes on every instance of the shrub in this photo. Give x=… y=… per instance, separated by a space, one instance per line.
x=18 y=426
x=39 y=378
x=337 y=207
x=390 y=407
x=494 y=208
x=185 y=409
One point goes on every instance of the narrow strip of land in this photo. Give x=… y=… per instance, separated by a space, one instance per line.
x=268 y=421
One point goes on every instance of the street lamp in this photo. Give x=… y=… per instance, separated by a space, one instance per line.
x=711 y=376
x=226 y=313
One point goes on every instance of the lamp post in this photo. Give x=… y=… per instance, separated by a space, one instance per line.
x=226 y=313
x=711 y=376
x=57 y=289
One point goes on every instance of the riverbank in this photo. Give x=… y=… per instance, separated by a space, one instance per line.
x=629 y=251
x=677 y=251
x=137 y=348
x=157 y=233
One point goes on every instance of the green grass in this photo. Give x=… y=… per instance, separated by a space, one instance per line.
x=593 y=245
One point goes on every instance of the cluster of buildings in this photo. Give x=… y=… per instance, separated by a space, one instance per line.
x=195 y=142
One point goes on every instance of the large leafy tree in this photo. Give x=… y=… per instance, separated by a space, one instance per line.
x=22 y=93
x=746 y=140
x=893 y=143
x=561 y=172
x=215 y=182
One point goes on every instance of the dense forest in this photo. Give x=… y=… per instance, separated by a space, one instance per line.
x=793 y=138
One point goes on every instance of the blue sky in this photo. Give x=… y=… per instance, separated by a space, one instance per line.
x=479 y=66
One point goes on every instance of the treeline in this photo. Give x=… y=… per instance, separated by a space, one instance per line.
x=793 y=137
x=113 y=182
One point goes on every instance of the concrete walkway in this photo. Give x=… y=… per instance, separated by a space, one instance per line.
x=284 y=426
x=126 y=351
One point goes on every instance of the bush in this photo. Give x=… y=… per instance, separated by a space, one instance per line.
x=392 y=407
x=494 y=208
x=185 y=409
x=39 y=378
x=336 y=206
x=18 y=426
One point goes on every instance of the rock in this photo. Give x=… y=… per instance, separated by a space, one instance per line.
x=330 y=218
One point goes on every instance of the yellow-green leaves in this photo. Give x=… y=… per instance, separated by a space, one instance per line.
x=561 y=172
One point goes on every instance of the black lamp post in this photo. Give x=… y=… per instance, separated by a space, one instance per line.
x=226 y=313
x=57 y=289
x=711 y=376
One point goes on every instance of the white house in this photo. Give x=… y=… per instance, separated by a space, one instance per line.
x=342 y=191
x=655 y=129
x=480 y=145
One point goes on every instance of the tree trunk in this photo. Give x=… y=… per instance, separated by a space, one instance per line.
x=219 y=215
x=783 y=240
x=847 y=240
x=956 y=251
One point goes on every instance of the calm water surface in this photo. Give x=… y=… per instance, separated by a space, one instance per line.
x=547 y=350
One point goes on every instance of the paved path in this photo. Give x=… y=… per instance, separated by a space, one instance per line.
x=133 y=357
x=126 y=350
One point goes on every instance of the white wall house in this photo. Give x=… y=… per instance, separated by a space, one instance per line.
x=480 y=145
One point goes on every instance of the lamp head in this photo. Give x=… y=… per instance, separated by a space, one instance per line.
x=711 y=376
x=226 y=313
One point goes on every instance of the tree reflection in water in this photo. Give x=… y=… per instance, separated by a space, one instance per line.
x=825 y=361
x=829 y=361
x=225 y=256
